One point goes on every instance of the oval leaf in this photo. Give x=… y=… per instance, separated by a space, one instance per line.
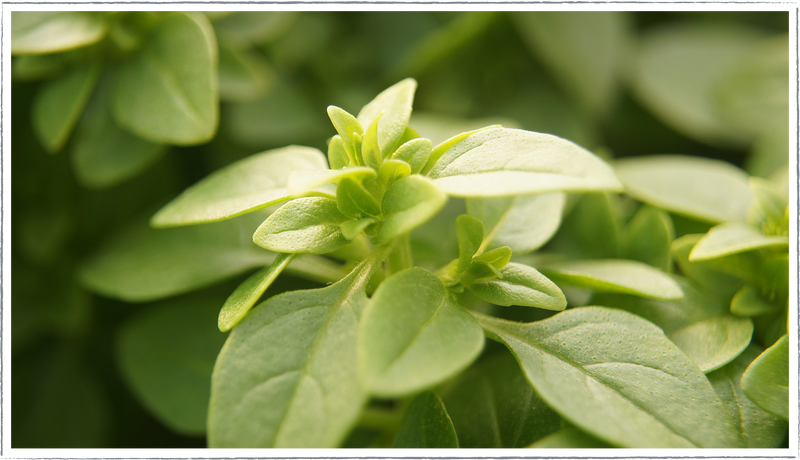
x=619 y=275
x=713 y=342
x=355 y=201
x=414 y=335
x=733 y=238
x=40 y=32
x=409 y=203
x=305 y=225
x=766 y=380
x=594 y=378
x=414 y=152
x=521 y=285
x=426 y=424
x=255 y=182
x=395 y=102
x=501 y=161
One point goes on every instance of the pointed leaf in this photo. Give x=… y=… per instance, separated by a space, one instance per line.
x=40 y=32
x=501 y=161
x=648 y=238
x=426 y=424
x=733 y=238
x=414 y=152
x=414 y=335
x=395 y=102
x=627 y=276
x=253 y=183
x=355 y=201
x=521 y=285
x=337 y=155
x=347 y=126
x=305 y=225
x=370 y=150
x=469 y=231
x=168 y=93
x=407 y=204
x=247 y=294
x=594 y=377
x=766 y=380
x=304 y=181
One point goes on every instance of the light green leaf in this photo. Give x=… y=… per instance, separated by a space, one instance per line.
x=253 y=183
x=523 y=223
x=395 y=102
x=349 y=130
x=355 y=201
x=748 y=302
x=498 y=257
x=733 y=238
x=392 y=170
x=618 y=275
x=766 y=380
x=407 y=204
x=40 y=32
x=414 y=152
x=352 y=228
x=569 y=437
x=756 y=428
x=426 y=424
x=370 y=150
x=594 y=377
x=166 y=355
x=713 y=342
x=769 y=207
x=501 y=161
x=520 y=285
x=469 y=232
x=444 y=146
x=168 y=93
x=493 y=406
x=59 y=104
x=303 y=181
x=702 y=188
x=648 y=238
x=287 y=375
x=243 y=74
x=414 y=335
x=701 y=272
x=304 y=225
x=337 y=155
x=247 y=294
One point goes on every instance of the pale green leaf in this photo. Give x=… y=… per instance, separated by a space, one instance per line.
x=501 y=161
x=370 y=150
x=414 y=335
x=445 y=145
x=59 y=104
x=618 y=275
x=337 y=155
x=304 y=225
x=520 y=285
x=287 y=375
x=166 y=354
x=349 y=130
x=304 y=181
x=702 y=188
x=426 y=424
x=395 y=102
x=648 y=238
x=733 y=238
x=590 y=364
x=168 y=93
x=40 y=32
x=748 y=302
x=243 y=74
x=255 y=182
x=392 y=170
x=355 y=201
x=766 y=380
x=247 y=294
x=713 y=342
x=469 y=232
x=352 y=228
x=569 y=437
x=407 y=204
x=414 y=152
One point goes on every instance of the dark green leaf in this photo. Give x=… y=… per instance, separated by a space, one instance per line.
x=40 y=32
x=591 y=229
x=426 y=424
x=648 y=238
x=304 y=225
x=766 y=380
x=243 y=75
x=520 y=285
x=247 y=28
x=407 y=204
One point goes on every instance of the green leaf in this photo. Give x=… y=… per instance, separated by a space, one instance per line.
x=714 y=341
x=247 y=294
x=523 y=223
x=166 y=354
x=407 y=204
x=702 y=188
x=766 y=380
x=337 y=155
x=243 y=74
x=348 y=127
x=304 y=225
x=469 y=232
x=426 y=424
x=768 y=211
x=287 y=375
x=30 y=67
x=370 y=150
x=591 y=230
x=701 y=272
x=414 y=335
x=395 y=102
x=248 y=28
x=41 y=32
x=59 y=104
x=168 y=93
x=618 y=275
x=392 y=170
x=569 y=437
x=774 y=278
x=414 y=152
x=355 y=201
x=306 y=180
x=493 y=406
x=648 y=238
x=594 y=378
x=748 y=302
x=253 y=183
x=501 y=161
x=520 y=285
x=444 y=146
x=733 y=238
x=352 y=228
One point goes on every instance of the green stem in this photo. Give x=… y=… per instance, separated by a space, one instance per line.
x=400 y=259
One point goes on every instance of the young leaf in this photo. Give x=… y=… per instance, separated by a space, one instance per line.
x=407 y=204
x=493 y=406
x=501 y=161
x=370 y=150
x=305 y=225
x=352 y=228
x=168 y=367
x=520 y=285
x=766 y=380
x=748 y=302
x=414 y=152
x=59 y=104
x=355 y=201
x=253 y=183
x=700 y=272
x=42 y=32
x=337 y=155
x=392 y=170
x=469 y=232
x=304 y=181
x=395 y=102
x=647 y=238
x=702 y=188
x=426 y=425
x=347 y=126
x=626 y=276
x=444 y=146
x=569 y=437
x=287 y=375
x=593 y=378
x=168 y=93
x=414 y=335
x=247 y=294
x=757 y=429
x=523 y=223
x=733 y=238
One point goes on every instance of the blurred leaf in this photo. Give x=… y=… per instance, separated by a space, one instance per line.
x=166 y=354
x=648 y=238
x=426 y=424
x=435 y=243
x=168 y=93
x=439 y=127
x=243 y=28
x=712 y=279
x=569 y=437
x=243 y=75
x=395 y=102
x=748 y=302
x=733 y=238
x=591 y=228
x=304 y=180
x=615 y=275
x=766 y=380
x=41 y=32
x=304 y=225
x=36 y=66
x=407 y=204
x=770 y=153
